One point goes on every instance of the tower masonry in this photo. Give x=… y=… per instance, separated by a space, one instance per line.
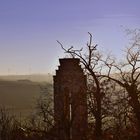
x=70 y=100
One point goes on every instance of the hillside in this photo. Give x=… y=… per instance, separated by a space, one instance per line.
x=20 y=96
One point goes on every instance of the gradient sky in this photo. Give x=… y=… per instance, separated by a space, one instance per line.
x=29 y=30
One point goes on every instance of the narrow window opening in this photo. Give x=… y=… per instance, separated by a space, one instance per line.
x=70 y=108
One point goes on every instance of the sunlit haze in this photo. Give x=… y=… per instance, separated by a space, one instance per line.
x=29 y=30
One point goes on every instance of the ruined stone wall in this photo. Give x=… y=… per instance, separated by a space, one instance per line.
x=70 y=101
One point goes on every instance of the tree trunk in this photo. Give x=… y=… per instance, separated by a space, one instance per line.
x=98 y=119
x=134 y=102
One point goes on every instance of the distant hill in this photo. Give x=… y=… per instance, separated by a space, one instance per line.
x=34 y=77
x=20 y=96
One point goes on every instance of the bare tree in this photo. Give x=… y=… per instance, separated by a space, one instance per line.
x=127 y=73
x=90 y=63
x=10 y=128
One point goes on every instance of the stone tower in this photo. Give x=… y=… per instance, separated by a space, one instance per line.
x=70 y=101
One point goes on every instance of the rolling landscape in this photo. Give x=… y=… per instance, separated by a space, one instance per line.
x=19 y=94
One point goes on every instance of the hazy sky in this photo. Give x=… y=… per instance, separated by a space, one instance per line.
x=29 y=30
